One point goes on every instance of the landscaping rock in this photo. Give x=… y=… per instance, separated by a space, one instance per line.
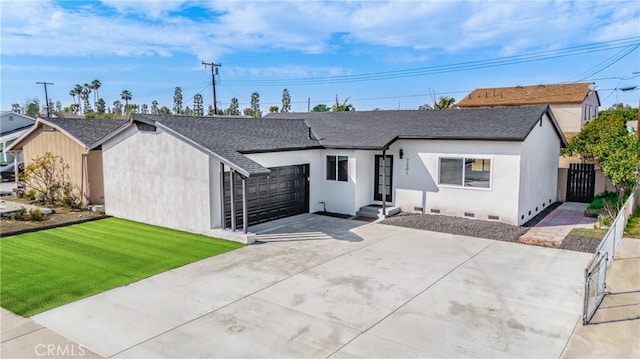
x=460 y=226
x=8 y=207
x=580 y=243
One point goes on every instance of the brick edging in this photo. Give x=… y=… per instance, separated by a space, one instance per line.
x=36 y=229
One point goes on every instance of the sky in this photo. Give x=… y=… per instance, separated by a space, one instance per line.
x=373 y=54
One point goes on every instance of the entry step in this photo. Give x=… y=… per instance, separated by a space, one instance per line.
x=375 y=211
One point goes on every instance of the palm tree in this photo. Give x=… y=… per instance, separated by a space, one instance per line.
x=126 y=96
x=84 y=94
x=78 y=90
x=95 y=85
x=73 y=94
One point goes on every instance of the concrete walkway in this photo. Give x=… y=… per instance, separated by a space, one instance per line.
x=614 y=331
x=550 y=232
x=24 y=338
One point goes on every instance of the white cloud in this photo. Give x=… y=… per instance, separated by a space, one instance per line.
x=288 y=71
x=150 y=8
x=152 y=28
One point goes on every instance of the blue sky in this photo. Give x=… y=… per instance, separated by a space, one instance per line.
x=379 y=54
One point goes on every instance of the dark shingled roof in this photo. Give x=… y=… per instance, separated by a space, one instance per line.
x=87 y=131
x=376 y=129
x=231 y=137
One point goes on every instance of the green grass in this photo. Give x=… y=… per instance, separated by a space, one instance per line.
x=633 y=226
x=589 y=232
x=43 y=270
x=603 y=198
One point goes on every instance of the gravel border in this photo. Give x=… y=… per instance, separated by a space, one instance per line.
x=573 y=242
x=460 y=226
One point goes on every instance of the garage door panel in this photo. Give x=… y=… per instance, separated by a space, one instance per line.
x=282 y=193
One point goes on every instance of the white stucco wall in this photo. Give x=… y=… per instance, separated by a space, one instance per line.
x=416 y=178
x=538 y=170
x=158 y=179
x=339 y=197
x=365 y=175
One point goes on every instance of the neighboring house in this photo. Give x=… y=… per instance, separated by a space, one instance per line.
x=491 y=164
x=12 y=126
x=78 y=143
x=573 y=105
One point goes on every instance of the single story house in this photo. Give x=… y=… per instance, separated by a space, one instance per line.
x=12 y=126
x=78 y=143
x=209 y=174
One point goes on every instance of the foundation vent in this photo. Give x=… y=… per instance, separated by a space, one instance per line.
x=418 y=209
x=433 y=210
x=469 y=214
x=495 y=218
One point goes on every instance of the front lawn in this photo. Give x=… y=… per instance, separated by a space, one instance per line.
x=43 y=270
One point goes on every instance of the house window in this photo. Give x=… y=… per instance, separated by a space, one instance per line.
x=338 y=168
x=465 y=172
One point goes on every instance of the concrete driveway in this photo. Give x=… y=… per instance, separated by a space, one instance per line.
x=318 y=287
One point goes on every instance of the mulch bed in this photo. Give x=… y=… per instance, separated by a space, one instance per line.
x=460 y=226
x=60 y=217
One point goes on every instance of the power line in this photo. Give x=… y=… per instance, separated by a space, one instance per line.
x=630 y=43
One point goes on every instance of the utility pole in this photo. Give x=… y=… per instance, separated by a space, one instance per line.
x=46 y=96
x=214 y=72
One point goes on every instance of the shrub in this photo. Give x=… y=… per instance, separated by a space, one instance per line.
x=69 y=197
x=36 y=215
x=30 y=195
x=608 y=214
x=602 y=199
x=18 y=215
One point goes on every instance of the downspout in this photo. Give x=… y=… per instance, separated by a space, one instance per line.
x=384 y=189
x=223 y=223
x=16 y=171
x=84 y=181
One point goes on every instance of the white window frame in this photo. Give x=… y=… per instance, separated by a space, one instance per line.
x=336 y=180
x=462 y=186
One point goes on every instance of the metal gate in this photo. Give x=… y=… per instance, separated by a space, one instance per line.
x=594 y=286
x=581 y=182
x=282 y=193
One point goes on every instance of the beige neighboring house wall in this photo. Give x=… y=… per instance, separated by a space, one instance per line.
x=46 y=139
x=85 y=169
x=96 y=177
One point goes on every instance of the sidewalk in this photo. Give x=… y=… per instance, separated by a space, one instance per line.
x=614 y=331
x=24 y=338
x=556 y=225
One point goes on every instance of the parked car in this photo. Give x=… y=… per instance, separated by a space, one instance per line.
x=8 y=173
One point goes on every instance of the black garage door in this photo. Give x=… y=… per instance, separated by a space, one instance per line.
x=282 y=193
